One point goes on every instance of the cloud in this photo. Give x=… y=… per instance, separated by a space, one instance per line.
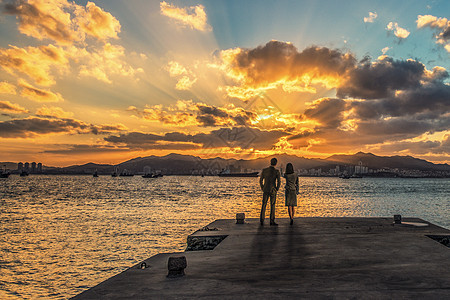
x=187 y=79
x=442 y=26
x=53 y=112
x=86 y=149
x=419 y=147
x=193 y=17
x=68 y=24
x=328 y=111
x=279 y=64
x=41 y=63
x=35 y=62
x=9 y=107
x=188 y=113
x=38 y=95
x=236 y=137
x=102 y=63
x=33 y=127
x=371 y=18
x=384 y=50
x=62 y=21
x=398 y=31
x=7 y=88
x=382 y=78
x=97 y=23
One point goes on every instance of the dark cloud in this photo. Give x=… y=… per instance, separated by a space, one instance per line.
x=328 y=111
x=199 y=114
x=382 y=78
x=446 y=34
x=394 y=127
x=434 y=97
x=30 y=127
x=216 y=116
x=83 y=149
x=242 y=137
x=420 y=147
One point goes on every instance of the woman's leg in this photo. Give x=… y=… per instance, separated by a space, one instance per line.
x=290 y=212
x=293 y=211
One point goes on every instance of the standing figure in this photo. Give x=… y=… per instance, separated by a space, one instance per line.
x=270 y=183
x=292 y=188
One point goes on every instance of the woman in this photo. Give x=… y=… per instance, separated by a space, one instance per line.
x=291 y=190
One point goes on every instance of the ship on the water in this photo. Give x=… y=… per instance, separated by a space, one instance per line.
x=227 y=173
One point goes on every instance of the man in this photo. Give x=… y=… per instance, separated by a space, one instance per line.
x=270 y=183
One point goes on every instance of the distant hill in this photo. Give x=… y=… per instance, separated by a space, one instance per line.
x=377 y=162
x=89 y=168
x=189 y=164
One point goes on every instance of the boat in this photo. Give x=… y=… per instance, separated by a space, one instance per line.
x=227 y=173
x=23 y=173
x=115 y=173
x=152 y=175
x=95 y=174
x=344 y=176
x=5 y=173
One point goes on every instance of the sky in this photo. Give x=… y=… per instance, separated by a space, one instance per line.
x=107 y=81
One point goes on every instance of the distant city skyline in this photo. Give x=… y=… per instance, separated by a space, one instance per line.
x=107 y=81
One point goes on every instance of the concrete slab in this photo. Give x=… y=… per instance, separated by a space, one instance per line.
x=314 y=258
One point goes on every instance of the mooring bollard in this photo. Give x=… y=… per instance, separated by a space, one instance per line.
x=397 y=219
x=176 y=266
x=240 y=217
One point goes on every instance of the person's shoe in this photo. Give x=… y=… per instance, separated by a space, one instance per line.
x=273 y=224
x=292 y=221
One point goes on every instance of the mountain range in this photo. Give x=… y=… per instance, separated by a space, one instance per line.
x=188 y=164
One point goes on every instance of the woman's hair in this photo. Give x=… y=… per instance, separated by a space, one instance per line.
x=289 y=168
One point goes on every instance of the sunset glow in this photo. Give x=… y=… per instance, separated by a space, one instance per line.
x=107 y=81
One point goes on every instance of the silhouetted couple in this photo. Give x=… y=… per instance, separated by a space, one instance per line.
x=270 y=182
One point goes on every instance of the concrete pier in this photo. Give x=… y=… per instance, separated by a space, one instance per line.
x=316 y=258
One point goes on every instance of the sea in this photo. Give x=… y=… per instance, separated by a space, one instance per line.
x=60 y=235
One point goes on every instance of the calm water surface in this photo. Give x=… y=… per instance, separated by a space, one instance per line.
x=60 y=235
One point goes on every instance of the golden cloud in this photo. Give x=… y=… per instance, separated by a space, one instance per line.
x=187 y=79
x=193 y=17
x=441 y=24
x=371 y=18
x=187 y=113
x=176 y=69
x=62 y=21
x=66 y=23
x=35 y=62
x=38 y=95
x=399 y=32
x=53 y=111
x=280 y=64
x=9 y=107
x=7 y=88
x=103 y=63
x=185 y=83
x=98 y=23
